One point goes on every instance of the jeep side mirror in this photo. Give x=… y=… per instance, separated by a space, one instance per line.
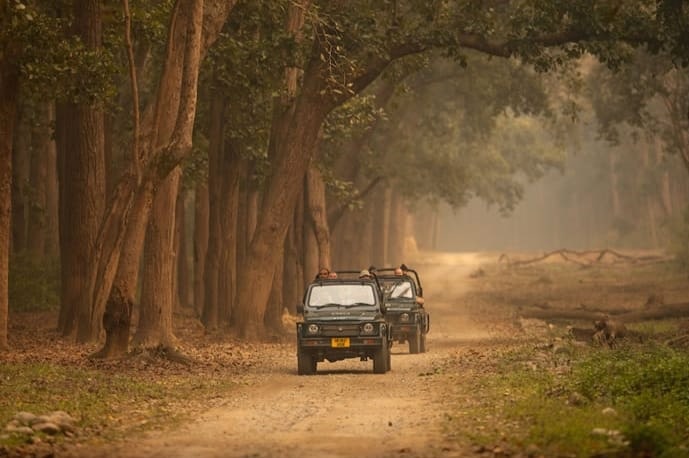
x=300 y=308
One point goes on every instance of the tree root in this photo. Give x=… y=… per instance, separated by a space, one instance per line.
x=164 y=352
x=681 y=341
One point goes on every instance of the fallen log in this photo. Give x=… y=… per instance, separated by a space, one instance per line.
x=579 y=257
x=659 y=312
x=677 y=310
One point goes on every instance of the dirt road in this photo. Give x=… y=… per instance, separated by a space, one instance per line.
x=343 y=411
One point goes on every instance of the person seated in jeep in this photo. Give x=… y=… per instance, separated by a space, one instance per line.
x=323 y=272
x=403 y=289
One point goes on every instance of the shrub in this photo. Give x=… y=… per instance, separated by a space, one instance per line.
x=649 y=385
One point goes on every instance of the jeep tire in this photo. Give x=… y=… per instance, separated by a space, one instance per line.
x=381 y=360
x=306 y=364
x=415 y=341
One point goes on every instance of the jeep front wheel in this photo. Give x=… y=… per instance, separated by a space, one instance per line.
x=415 y=341
x=306 y=364
x=380 y=360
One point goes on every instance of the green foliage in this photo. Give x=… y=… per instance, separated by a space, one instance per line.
x=468 y=131
x=645 y=386
x=34 y=284
x=54 y=64
x=246 y=68
x=650 y=386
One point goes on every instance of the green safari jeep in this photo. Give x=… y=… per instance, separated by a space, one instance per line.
x=342 y=318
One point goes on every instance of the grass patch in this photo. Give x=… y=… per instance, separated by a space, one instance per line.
x=631 y=402
x=107 y=405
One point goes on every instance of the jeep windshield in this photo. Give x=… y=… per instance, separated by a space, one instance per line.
x=341 y=295
x=400 y=289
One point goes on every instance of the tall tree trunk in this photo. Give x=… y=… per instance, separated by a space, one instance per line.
x=423 y=226
x=273 y=317
x=614 y=185
x=157 y=295
x=21 y=164
x=243 y=223
x=381 y=227
x=52 y=221
x=169 y=128
x=184 y=280
x=293 y=272
x=665 y=188
x=117 y=318
x=293 y=137
x=318 y=215
x=200 y=244
x=80 y=137
x=397 y=232
x=649 y=196
x=211 y=308
x=309 y=244
x=40 y=157
x=293 y=154
x=9 y=87
x=229 y=223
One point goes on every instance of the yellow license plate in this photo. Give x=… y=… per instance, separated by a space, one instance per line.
x=339 y=342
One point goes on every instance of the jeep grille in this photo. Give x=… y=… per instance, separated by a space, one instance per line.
x=334 y=330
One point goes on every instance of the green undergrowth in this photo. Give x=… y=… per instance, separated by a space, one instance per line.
x=34 y=284
x=584 y=402
x=106 y=405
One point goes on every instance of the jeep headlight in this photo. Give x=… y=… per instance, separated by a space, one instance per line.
x=404 y=318
x=368 y=328
x=312 y=329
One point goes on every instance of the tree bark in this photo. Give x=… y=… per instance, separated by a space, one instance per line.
x=309 y=242
x=80 y=140
x=614 y=185
x=157 y=295
x=293 y=283
x=117 y=317
x=273 y=317
x=229 y=223
x=211 y=309
x=168 y=127
x=381 y=227
x=200 y=244
x=184 y=278
x=397 y=232
x=293 y=152
x=9 y=87
x=52 y=221
x=21 y=160
x=318 y=215
x=40 y=158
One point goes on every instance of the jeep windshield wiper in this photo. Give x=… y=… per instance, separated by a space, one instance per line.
x=330 y=304
x=358 y=304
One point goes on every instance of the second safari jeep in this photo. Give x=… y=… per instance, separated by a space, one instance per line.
x=404 y=307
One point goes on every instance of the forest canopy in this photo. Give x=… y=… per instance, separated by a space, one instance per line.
x=267 y=134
